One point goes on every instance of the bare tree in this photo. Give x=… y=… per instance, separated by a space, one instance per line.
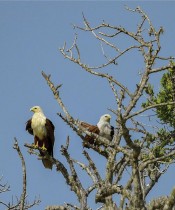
x=144 y=157
x=22 y=203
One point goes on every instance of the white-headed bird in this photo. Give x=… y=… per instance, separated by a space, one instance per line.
x=43 y=131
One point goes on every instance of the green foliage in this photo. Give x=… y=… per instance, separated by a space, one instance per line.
x=150 y=139
x=149 y=90
x=166 y=94
x=165 y=139
x=159 y=144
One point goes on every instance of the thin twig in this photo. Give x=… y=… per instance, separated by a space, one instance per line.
x=23 y=195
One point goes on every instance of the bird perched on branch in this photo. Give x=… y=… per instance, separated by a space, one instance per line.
x=43 y=131
x=103 y=128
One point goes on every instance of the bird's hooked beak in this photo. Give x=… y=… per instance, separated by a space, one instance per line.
x=109 y=118
x=106 y=118
x=31 y=109
x=36 y=109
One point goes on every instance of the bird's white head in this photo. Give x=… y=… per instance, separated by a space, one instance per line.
x=36 y=109
x=105 y=118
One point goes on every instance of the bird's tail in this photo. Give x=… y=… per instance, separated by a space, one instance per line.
x=47 y=163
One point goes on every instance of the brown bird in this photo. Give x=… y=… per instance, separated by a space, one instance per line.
x=43 y=131
x=103 y=128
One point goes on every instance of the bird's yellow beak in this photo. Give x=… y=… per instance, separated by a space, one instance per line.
x=31 y=109
x=108 y=118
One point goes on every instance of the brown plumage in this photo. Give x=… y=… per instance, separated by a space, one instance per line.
x=43 y=131
x=92 y=129
x=103 y=128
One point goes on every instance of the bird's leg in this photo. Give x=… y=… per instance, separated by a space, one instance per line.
x=43 y=147
x=36 y=145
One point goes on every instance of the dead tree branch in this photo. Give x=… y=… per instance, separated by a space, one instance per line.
x=134 y=150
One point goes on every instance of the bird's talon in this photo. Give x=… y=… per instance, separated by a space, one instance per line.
x=35 y=146
x=43 y=148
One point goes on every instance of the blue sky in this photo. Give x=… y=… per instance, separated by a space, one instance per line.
x=31 y=34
